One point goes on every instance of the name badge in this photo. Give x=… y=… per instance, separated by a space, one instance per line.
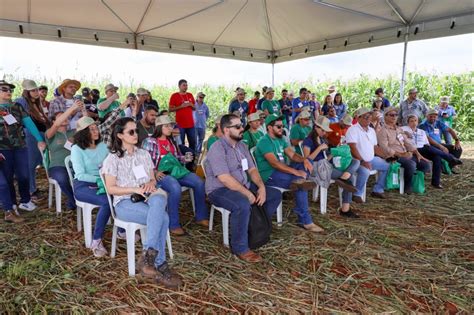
x=400 y=138
x=245 y=164
x=200 y=112
x=139 y=172
x=343 y=139
x=436 y=131
x=300 y=105
x=10 y=119
x=68 y=145
x=280 y=157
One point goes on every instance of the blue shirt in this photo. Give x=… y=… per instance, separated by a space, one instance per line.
x=308 y=142
x=259 y=104
x=385 y=102
x=341 y=110
x=243 y=108
x=333 y=119
x=200 y=115
x=448 y=110
x=297 y=103
x=434 y=131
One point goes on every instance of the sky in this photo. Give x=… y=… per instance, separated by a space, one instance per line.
x=33 y=59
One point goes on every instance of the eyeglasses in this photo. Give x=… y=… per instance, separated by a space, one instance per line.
x=201 y=97
x=278 y=126
x=6 y=90
x=392 y=115
x=133 y=132
x=238 y=126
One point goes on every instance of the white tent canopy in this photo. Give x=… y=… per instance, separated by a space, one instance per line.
x=268 y=31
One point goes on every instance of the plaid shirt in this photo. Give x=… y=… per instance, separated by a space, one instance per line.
x=60 y=104
x=105 y=128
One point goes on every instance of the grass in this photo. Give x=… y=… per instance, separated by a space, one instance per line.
x=406 y=254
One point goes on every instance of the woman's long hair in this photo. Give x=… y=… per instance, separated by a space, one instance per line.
x=326 y=100
x=159 y=132
x=117 y=127
x=83 y=138
x=335 y=96
x=35 y=110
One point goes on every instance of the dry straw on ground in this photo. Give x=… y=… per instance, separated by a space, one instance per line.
x=410 y=253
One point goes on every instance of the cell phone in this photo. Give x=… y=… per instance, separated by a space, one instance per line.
x=77 y=97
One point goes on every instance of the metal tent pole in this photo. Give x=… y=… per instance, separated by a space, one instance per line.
x=402 y=83
x=273 y=74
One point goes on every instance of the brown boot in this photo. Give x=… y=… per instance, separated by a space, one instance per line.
x=302 y=184
x=168 y=277
x=146 y=263
x=11 y=216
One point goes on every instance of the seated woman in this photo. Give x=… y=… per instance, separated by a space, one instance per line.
x=315 y=147
x=128 y=171
x=87 y=155
x=59 y=146
x=158 y=146
x=251 y=133
x=419 y=139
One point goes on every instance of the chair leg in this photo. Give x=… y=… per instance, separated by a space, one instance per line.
x=211 y=218
x=191 y=195
x=113 y=248
x=57 y=196
x=225 y=227
x=280 y=214
x=364 y=193
x=168 y=243
x=50 y=195
x=143 y=236
x=131 y=252
x=324 y=200
x=87 y=221
x=315 y=193
x=79 y=218
x=339 y=189
x=401 y=179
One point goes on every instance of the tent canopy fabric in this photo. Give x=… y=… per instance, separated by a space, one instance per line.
x=268 y=31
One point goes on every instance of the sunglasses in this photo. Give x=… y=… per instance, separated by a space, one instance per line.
x=6 y=90
x=201 y=96
x=133 y=132
x=238 y=126
x=278 y=126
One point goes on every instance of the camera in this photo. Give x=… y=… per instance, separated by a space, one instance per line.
x=77 y=97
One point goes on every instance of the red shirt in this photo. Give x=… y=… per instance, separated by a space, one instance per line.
x=252 y=106
x=184 y=116
x=334 y=137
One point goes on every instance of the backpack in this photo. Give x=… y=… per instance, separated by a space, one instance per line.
x=260 y=227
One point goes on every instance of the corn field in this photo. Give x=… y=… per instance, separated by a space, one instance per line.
x=356 y=93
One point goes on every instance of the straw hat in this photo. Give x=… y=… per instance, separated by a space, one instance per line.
x=110 y=86
x=163 y=120
x=254 y=117
x=84 y=122
x=304 y=114
x=390 y=109
x=347 y=120
x=29 y=85
x=323 y=123
x=66 y=82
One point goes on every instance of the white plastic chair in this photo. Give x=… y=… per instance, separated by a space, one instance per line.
x=401 y=178
x=191 y=195
x=53 y=188
x=85 y=207
x=130 y=230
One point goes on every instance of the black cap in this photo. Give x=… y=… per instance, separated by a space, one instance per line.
x=86 y=91
x=43 y=87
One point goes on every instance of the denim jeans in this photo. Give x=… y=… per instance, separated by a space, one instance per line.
x=435 y=155
x=447 y=137
x=352 y=169
x=153 y=215
x=239 y=207
x=15 y=164
x=190 y=133
x=87 y=192
x=173 y=187
x=59 y=174
x=201 y=134
x=284 y=180
x=34 y=159
x=410 y=165
x=378 y=164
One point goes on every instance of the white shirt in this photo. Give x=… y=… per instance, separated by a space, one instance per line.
x=418 y=137
x=364 y=140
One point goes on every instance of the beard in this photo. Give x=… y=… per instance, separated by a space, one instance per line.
x=279 y=135
x=236 y=137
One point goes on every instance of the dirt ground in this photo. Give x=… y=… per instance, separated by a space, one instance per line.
x=405 y=254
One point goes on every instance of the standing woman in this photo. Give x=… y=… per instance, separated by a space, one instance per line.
x=326 y=105
x=31 y=103
x=13 y=152
x=128 y=171
x=341 y=108
x=158 y=146
x=87 y=155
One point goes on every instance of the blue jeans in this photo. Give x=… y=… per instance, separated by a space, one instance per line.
x=363 y=173
x=190 y=133
x=352 y=169
x=410 y=165
x=16 y=163
x=34 y=158
x=153 y=215
x=284 y=180
x=86 y=192
x=173 y=187
x=447 y=137
x=59 y=174
x=435 y=155
x=201 y=134
x=240 y=207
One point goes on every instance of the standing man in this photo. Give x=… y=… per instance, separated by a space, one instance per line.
x=109 y=102
x=332 y=91
x=253 y=102
x=410 y=106
x=182 y=103
x=228 y=186
x=299 y=103
x=43 y=93
x=201 y=115
x=67 y=90
x=385 y=102
x=285 y=104
x=88 y=102
x=240 y=105
x=146 y=126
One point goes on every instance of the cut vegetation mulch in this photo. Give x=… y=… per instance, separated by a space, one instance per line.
x=405 y=254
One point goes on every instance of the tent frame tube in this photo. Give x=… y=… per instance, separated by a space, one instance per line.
x=402 y=82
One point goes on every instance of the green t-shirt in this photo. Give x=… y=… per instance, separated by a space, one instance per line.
x=57 y=151
x=211 y=141
x=273 y=107
x=251 y=138
x=300 y=133
x=266 y=145
x=112 y=106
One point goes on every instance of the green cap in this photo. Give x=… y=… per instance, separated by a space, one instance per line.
x=271 y=118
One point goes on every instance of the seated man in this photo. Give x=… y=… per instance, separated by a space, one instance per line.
x=227 y=165
x=446 y=113
x=338 y=134
x=271 y=154
x=363 y=142
x=434 y=128
x=300 y=130
x=397 y=147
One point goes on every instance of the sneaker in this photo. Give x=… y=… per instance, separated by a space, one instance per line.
x=29 y=206
x=302 y=184
x=167 y=278
x=11 y=216
x=146 y=263
x=349 y=214
x=98 y=248
x=123 y=236
x=313 y=228
x=357 y=199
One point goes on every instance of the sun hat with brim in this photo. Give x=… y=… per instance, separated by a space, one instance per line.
x=332 y=87
x=347 y=120
x=110 y=86
x=304 y=114
x=432 y=112
x=444 y=99
x=362 y=111
x=163 y=120
x=414 y=90
x=201 y=94
x=271 y=118
x=269 y=90
x=142 y=91
x=323 y=123
x=5 y=83
x=83 y=123
x=68 y=82
x=260 y=112
x=390 y=109
x=29 y=85
x=254 y=117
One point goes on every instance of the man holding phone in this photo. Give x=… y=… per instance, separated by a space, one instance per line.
x=182 y=103
x=67 y=90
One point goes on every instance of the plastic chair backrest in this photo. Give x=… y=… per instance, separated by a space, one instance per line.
x=109 y=198
x=70 y=170
x=44 y=162
x=203 y=152
x=204 y=159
